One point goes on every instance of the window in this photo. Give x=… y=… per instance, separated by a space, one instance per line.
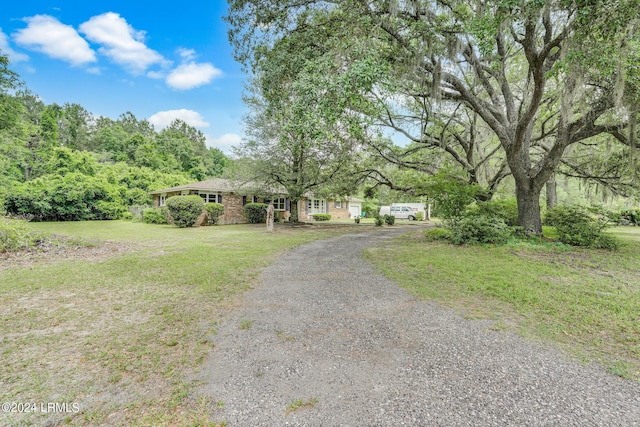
x=163 y=200
x=338 y=204
x=211 y=198
x=315 y=206
x=244 y=200
x=280 y=204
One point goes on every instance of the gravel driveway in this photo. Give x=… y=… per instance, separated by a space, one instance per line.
x=322 y=327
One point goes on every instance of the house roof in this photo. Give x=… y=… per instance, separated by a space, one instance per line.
x=354 y=199
x=214 y=185
x=227 y=186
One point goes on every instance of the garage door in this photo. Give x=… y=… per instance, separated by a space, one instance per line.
x=355 y=209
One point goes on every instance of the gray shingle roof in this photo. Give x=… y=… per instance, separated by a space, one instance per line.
x=213 y=185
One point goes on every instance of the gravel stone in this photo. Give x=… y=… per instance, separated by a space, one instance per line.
x=326 y=326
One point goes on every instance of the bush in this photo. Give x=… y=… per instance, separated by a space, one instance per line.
x=629 y=217
x=127 y=216
x=321 y=217
x=577 y=226
x=379 y=221
x=256 y=213
x=214 y=211
x=107 y=210
x=155 y=215
x=185 y=210
x=505 y=209
x=419 y=216
x=16 y=235
x=72 y=197
x=479 y=229
x=437 y=233
x=389 y=219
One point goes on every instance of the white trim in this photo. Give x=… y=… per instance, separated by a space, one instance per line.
x=316 y=206
x=209 y=197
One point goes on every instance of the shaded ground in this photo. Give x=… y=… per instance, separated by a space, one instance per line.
x=325 y=341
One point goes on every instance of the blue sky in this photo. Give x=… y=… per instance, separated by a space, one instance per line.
x=160 y=60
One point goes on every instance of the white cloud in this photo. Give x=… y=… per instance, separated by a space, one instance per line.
x=186 y=54
x=156 y=75
x=163 y=119
x=121 y=42
x=224 y=142
x=192 y=75
x=48 y=35
x=5 y=49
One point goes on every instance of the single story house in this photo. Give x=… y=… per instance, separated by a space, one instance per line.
x=233 y=196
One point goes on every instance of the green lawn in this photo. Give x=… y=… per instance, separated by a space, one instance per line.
x=586 y=301
x=119 y=332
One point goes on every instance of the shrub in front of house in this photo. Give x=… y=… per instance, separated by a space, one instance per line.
x=156 y=215
x=256 y=213
x=321 y=217
x=214 y=212
x=185 y=210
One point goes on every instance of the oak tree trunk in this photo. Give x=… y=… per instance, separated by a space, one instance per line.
x=528 y=198
x=294 y=210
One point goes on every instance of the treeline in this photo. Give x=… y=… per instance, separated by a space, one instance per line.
x=60 y=162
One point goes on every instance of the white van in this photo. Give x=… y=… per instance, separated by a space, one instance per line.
x=418 y=207
x=399 y=211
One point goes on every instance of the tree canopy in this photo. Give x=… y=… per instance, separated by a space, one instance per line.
x=540 y=76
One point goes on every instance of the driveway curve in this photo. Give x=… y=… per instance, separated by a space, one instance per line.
x=323 y=340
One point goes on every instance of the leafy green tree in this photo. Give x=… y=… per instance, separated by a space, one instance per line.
x=215 y=161
x=9 y=107
x=75 y=127
x=301 y=140
x=133 y=126
x=64 y=160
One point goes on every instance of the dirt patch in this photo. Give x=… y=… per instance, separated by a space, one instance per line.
x=61 y=249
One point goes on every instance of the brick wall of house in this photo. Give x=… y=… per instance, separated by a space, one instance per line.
x=233 y=209
x=336 y=213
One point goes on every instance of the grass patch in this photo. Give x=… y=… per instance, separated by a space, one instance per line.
x=299 y=404
x=245 y=324
x=587 y=301
x=118 y=334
